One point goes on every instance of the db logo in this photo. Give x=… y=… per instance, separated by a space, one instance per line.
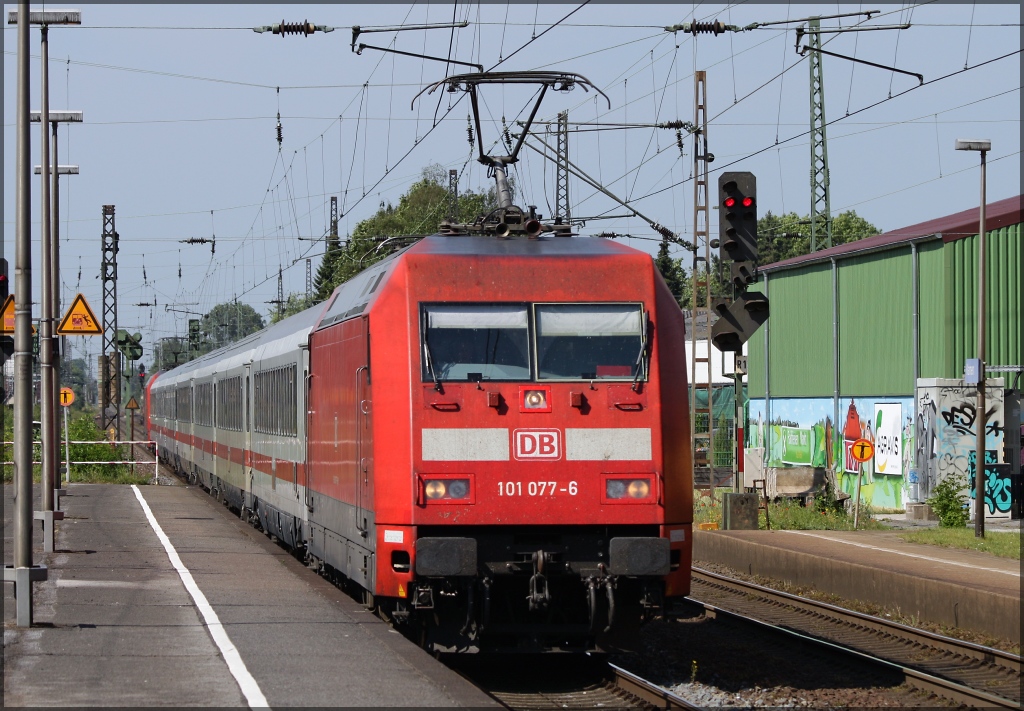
x=537 y=444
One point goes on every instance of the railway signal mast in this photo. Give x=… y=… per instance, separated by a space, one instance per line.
x=821 y=213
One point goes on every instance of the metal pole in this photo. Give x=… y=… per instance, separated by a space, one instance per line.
x=856 y=501
x=55 y=282
x=835 y=377
x=67 y=448
x=979 y=455
x=23 y=336
x=131 y=447
x=46 y=395
x=737 y=413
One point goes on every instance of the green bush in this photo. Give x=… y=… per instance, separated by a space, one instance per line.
x=82 y=428
x=949 y=502
x=825 y=499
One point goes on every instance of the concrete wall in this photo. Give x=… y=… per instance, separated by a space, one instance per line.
x=931 y=600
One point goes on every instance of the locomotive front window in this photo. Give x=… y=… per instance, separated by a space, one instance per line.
x=589 y=341
x=472 y=342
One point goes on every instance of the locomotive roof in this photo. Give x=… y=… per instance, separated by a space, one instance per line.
x=353 y=296
x=520 y=247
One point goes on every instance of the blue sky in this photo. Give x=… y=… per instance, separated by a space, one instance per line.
x=180 y=106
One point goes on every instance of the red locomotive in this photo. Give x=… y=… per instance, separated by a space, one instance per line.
x=487 y=432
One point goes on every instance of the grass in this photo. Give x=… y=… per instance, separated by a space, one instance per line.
x=1002 y=544
x=794 y=517
x=97 y=474
x=786 y=515
x=82 y=428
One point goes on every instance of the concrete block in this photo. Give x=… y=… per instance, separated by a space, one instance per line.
x=739 y=512
x=920 y=512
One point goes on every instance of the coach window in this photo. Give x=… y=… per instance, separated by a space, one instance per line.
x=589 y=341
x=472 y=342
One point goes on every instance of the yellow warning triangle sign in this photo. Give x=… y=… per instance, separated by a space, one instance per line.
x=133 y=404
x=8 y=316
x=79 y=320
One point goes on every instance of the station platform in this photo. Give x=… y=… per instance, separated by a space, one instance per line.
x=957 y=588
x=119 y=621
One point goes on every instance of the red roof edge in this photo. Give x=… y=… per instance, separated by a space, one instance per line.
x=959 y=225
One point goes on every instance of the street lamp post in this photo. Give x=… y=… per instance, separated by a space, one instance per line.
x=56 y=117
x=983 y=146
x=48 y=391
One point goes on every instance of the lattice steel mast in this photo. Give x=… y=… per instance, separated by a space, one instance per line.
x=110 y=357
x=562 y=211
x=821 y=209
x=701 y=280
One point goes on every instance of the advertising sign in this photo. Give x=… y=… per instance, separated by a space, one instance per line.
x=888 y=438
x=797 y=445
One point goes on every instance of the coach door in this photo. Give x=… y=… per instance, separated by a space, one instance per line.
x=192 y=428
x=364 y=441
x=306 y=435
x=214 y=469
x=247 y=453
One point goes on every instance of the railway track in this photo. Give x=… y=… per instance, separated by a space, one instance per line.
x=546 y=684
x=959 y=671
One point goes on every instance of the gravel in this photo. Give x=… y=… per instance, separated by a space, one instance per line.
x=719 y=662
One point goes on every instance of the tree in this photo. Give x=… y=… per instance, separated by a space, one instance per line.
x=672 y=271
x=784 y=236
x=169 y=352
x=293 y=304
x=226 y=323
x=419 y=212
x=75 y=376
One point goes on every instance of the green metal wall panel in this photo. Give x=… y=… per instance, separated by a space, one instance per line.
x=800 y=335
x=1003 y=292
x=755 y=354
x=876 y=344
x=1003 y=255
x=932 y=279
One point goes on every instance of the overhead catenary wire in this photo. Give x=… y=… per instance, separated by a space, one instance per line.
x=368 y=117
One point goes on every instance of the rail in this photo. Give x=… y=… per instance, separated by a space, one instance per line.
x=954 y=669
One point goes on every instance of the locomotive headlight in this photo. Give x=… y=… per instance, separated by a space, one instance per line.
x=445 y=490
x=458 y=488
x=535 y=399
x=615 y=488
x=639 y=488
x=624 y=490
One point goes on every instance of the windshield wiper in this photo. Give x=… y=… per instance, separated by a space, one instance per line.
x=640 y=362
x=430 y=365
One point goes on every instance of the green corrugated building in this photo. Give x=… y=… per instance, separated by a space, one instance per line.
x=859 y=325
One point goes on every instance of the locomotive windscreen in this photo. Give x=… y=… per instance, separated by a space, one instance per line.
x=472 y=342
x=588 y=341
x=476 y=342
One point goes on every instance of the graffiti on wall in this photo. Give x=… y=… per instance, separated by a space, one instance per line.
x=947 y=426
x=997 y=482
x=801 y=433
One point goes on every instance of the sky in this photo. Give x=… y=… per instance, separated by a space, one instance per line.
x=181 y=103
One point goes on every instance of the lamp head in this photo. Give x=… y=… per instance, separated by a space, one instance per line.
x=973 y=144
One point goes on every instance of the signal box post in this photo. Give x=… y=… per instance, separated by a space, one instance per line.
x=737 y=243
